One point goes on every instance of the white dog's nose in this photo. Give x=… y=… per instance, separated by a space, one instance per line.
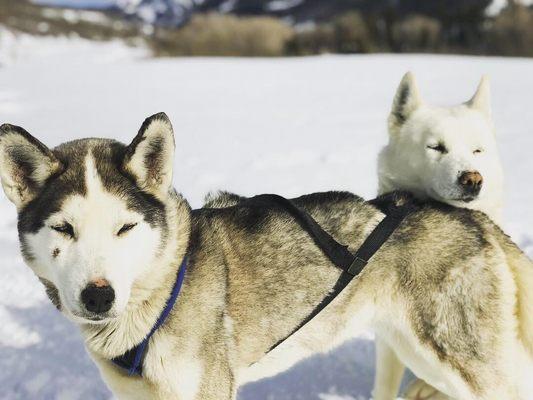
x=471 y=182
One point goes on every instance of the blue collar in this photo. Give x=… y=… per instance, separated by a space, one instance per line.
x=132 y=360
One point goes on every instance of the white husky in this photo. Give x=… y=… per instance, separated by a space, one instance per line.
x=445 y=153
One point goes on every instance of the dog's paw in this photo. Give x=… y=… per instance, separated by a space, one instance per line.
x=420 y=390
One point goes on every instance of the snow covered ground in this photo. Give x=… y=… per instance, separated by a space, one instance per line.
x=18 y=48
x=288 y=126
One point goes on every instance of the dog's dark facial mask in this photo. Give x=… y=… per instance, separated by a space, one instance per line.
x=90 y=211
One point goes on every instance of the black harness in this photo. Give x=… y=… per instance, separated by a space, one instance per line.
x=395 y=207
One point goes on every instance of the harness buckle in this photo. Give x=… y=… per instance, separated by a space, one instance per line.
x=357 y=266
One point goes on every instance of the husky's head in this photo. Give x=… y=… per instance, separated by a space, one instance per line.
x=91 y=213
x=445 y=153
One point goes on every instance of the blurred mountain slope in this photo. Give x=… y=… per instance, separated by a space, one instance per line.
x=176 y=12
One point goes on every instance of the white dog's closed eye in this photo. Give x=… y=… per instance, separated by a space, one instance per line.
x=439 y=148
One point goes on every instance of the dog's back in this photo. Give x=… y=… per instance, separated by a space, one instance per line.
x=447 y=271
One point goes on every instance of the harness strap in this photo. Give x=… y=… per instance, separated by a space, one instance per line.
x=132 y=360
x=337 y=253
x=351 y=264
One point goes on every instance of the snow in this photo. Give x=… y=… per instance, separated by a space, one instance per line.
x=282 y=5
x=73 y=15
x=151 y=11
x=18 y=48
x=227 y=6
x=289 y=126
x=498 y=5
x=92 y=4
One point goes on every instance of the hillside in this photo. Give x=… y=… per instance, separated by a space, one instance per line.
x=175 y=11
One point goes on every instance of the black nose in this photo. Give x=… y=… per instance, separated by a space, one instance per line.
x=471 y=182
x=98 y=299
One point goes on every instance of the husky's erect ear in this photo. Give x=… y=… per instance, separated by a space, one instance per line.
x=481 y=100
x=149 y=158
x=25 y=164
x=406 y=100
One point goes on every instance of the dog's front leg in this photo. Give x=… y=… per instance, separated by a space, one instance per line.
x=212 y=383
x=204 y=375
x=217 y=382
x=389 y=372
x=124 y=387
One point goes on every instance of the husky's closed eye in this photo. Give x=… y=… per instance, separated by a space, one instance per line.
x=126 y=228
x=65 y=229
x=438 y=148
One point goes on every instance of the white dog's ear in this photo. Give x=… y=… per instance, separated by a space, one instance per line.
x=150 y=156
x=406 y=101
x=25 y=164
x=481 y=99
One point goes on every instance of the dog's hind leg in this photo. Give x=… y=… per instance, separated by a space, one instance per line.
x=522 y=269
x=389 y=372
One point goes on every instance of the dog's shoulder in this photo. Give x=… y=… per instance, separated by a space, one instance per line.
x=221 y=199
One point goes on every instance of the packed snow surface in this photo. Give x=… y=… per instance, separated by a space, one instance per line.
x=287 y=126
x=18 y=48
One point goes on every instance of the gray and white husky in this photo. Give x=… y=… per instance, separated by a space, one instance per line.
x=102 y=227
x=444 y=153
